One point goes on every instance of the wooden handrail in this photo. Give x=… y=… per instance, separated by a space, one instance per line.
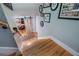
x=3 y=23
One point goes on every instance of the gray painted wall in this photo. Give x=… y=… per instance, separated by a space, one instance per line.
x=2 y=17
x=67 y=31
x=6 y=38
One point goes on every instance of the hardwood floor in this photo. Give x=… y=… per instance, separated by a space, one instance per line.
x=43 y=47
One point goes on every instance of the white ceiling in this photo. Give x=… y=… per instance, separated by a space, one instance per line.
x=26 y=9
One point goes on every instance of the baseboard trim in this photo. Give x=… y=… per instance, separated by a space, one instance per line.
x=5 y=50
x=73 y=52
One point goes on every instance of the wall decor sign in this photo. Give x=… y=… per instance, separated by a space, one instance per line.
x=46 y=5
x=41 y=23
x=54 y=6
x=47 y=17
x=40 y=8
x=69 y=11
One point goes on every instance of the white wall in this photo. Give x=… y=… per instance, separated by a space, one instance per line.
x=26 y=9
x=66 y=31
x=34 y=23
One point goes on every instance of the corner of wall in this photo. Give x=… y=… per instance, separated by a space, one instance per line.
x=73 y=52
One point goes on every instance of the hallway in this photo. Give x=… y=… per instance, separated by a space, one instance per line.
x=28 y=22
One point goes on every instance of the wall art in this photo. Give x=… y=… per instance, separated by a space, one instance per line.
x=69 y=11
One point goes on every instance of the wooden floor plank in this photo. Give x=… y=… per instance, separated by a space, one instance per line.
x=45 y=47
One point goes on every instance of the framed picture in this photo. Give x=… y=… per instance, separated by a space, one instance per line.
x=40 y=8
x=42 y=14
x=45 y=5
x=54 y=6
x=47 y=17
x=69 y=11
x=41 y=23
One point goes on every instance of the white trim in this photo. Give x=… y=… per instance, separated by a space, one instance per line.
x=7 y=50
x=73 y=52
